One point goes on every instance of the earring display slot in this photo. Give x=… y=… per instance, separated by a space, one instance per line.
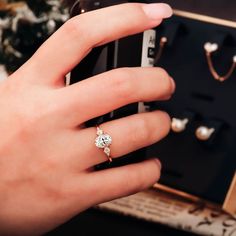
x=203 y=96
x=219 y=38
x=171 y=31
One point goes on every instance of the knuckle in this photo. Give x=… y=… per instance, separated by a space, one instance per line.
x=162 y=127
x=156 y=170
x=34 y=119
x=140 y=131
x=135 y=182
x=162 y=72
x=166 y=120
x=74 y=27
x=123 y=83
x=150 y=177
x=141 y=180
x=31 y=110
x=167 y=85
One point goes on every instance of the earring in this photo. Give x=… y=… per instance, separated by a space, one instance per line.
x=204 y=133
x=209 y=49
x=162 y=44
x=179 y=125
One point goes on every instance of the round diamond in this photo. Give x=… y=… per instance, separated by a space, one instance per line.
x=99 y=132
x=103 y=141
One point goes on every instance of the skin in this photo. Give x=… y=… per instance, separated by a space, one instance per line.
x=46 y=155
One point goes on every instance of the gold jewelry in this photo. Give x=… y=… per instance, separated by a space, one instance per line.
x=162 y=44
x=204 y=133
x=179 y=125
x=103 y=141
x=209 y=49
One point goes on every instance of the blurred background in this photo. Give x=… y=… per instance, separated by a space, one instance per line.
x=24 y=26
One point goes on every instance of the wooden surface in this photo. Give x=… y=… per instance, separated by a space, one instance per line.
x=224 y=9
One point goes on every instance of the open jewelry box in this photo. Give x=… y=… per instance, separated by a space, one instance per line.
x=200 y=161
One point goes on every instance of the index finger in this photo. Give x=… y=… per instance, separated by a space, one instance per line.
x=72 y=42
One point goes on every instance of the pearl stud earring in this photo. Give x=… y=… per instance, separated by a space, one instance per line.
x=204 y=133
x=179 y=125
x=209 y=49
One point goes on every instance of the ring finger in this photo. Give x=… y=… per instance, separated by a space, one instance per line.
x=128 y=134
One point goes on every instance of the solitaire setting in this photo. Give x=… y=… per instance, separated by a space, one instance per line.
x=103 y=141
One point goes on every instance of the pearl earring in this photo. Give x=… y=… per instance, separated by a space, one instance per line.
x=179 y=125
x=204 y=133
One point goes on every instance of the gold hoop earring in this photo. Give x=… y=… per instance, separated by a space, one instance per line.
x=162 y=44
x=209 y=49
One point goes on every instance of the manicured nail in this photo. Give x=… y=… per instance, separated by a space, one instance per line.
x=157 y=11
x=158 y=163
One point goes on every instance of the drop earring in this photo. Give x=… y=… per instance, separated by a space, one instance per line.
x=179 y=125
x=162 y=44
x=204 y=133
x=209 y=49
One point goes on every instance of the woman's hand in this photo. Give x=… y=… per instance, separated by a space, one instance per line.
x=46 y=157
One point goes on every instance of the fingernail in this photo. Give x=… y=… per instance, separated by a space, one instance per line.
x=172 y=84
x=158 y=163
x=157 y=11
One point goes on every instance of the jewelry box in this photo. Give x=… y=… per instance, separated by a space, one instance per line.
x=199 y=154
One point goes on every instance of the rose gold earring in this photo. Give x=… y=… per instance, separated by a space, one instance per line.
x=162 y=44
x=209 y=49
